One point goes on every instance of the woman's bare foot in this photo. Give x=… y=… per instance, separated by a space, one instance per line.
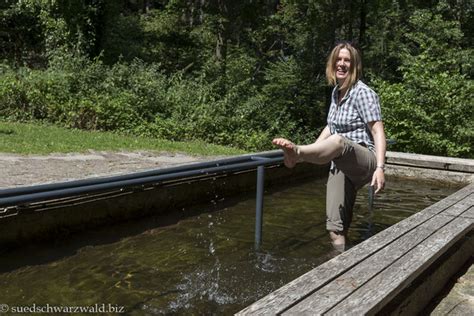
x=290 y=151
x=338 y=240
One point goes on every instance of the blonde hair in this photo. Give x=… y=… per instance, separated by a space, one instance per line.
x=355 y=71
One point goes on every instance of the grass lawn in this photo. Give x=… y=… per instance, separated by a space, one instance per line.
x=28 y=138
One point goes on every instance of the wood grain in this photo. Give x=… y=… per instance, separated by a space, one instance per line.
x=341 y=287
x=370 y=297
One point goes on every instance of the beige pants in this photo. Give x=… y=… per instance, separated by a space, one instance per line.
x=353 y=169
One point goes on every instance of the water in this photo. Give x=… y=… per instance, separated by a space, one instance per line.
x=203 y=260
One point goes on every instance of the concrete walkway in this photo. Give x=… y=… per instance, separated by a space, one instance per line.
x=21 y=170
x=460 y=299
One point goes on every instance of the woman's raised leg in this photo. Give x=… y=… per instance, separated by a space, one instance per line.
x=320 y=152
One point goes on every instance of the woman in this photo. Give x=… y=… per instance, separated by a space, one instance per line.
x=354 y=140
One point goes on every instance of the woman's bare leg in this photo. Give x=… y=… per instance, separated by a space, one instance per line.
x=319 y=153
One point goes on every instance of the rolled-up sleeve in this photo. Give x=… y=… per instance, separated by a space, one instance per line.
x=368 y=105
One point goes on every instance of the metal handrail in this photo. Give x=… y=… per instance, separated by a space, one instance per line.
x=137 y=175
x=18 y=196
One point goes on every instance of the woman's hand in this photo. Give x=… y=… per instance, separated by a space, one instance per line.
x=378 y=179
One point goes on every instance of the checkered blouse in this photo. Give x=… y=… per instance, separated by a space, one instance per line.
x=360 y=106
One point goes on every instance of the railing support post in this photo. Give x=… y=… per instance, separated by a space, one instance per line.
x=371 y=198
x=259 y=206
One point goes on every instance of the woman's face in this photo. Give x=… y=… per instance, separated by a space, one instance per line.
x=343 y=65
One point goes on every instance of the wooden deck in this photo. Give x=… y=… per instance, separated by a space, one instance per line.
x=397 y=271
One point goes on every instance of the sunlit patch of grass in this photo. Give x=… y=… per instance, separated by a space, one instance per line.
x=28 y=138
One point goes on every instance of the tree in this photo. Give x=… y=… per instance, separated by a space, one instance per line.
x=22 y=34
x=430 y=111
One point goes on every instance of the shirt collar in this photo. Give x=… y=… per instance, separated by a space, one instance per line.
x=348 y=94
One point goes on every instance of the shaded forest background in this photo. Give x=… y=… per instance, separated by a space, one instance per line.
x=237 y=73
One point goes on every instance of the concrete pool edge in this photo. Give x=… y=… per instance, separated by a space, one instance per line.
x=428 y=167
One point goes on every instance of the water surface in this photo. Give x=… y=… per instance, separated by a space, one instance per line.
x=203 y=260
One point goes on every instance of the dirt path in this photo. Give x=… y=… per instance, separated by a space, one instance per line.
x=20 y=170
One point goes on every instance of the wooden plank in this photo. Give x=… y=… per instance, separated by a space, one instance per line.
x=469 y=213
x=413 y=299
x=373 y=295
x=460 y=207
x=333 y=293
x=432 y=162
x=451 y=200
x=298 y=289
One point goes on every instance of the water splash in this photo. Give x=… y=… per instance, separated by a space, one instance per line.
x=266 y=262
x=201 y=285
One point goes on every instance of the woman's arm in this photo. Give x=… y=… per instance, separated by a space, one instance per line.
x=376 y=128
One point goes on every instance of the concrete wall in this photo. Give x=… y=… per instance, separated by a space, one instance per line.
x=430 y=167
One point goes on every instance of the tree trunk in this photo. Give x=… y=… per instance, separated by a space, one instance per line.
x=363 y=23
x=221 y=44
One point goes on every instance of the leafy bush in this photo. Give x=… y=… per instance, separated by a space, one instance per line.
x=431 y=111
x=137 y=98
x=235 y=73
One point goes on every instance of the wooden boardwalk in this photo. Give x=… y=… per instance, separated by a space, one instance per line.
x=397 y=271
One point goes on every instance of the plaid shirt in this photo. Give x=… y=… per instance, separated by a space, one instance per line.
x=360 y=106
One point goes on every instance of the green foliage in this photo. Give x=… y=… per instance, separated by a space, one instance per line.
x=21 y=34
x=77 y=92
x=236 y=73
x=430 y=111
x=137 y=98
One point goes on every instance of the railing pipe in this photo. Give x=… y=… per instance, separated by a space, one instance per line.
x=42 y=195
x=259 y=203
x=136 y=175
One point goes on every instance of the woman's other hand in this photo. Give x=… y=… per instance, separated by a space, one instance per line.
x=378 y=180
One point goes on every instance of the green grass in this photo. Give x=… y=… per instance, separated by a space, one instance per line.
x=28 y=138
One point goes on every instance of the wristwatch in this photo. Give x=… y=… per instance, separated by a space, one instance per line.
x=381 y=167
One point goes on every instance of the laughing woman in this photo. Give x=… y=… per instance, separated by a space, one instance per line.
x=353 y=140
